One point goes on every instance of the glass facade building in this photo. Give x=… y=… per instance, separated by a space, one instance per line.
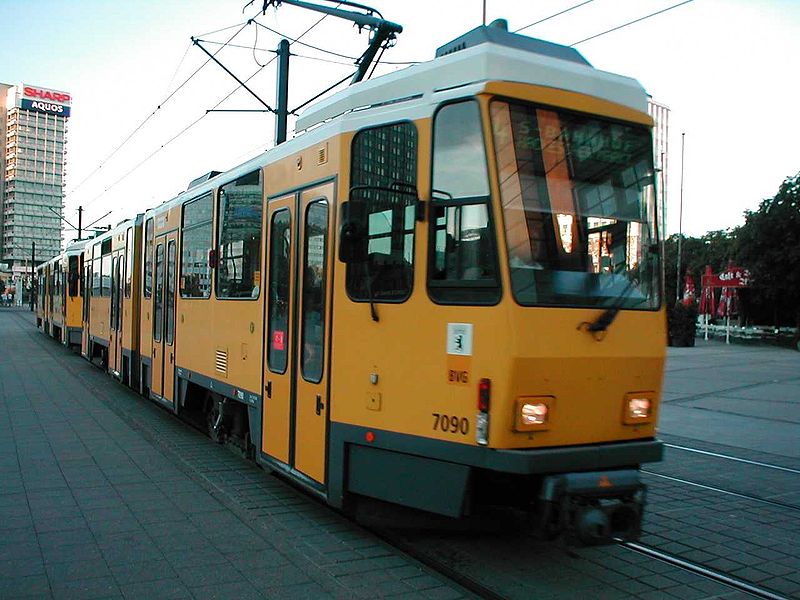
x=33 y=121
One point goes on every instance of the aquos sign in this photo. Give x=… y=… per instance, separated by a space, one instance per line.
x=44 y=100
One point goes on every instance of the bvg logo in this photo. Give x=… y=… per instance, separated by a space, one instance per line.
x=458 y=376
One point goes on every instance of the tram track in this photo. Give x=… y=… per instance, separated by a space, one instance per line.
x=722 y=491
x=733 y=458
x=464 y=578
x=732 y=582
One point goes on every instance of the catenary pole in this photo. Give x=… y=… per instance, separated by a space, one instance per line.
x=282 y=106
x=33 y=275
x=680 y=226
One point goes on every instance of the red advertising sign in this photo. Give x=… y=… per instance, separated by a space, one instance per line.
x=45 y=94
x=732 y=277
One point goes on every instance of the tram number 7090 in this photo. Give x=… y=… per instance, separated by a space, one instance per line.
x=450 y=424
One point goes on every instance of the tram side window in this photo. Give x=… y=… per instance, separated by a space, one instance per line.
x=383 y=205
x=195 y=247
x=148 y=258
x=463 y=266
x=74 y=276
x=158 y=309
x=105 y=269
x=128 y=261
x=239 y=263
x=314 y=277
x=169 y=299
x=96 y=270
x=280 y=246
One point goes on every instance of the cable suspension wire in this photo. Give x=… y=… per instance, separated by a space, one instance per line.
x=178 y=68
x=325 y=60
x=196 y=121
x=150 y=116
x=221 y=30
x=331 y=52
x=558 y=14
x=640 y=19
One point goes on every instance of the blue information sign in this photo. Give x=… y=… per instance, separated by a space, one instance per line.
x=44 y=106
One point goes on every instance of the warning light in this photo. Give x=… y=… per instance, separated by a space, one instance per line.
x=604 y=482
x=370 y=437
x=484 y=394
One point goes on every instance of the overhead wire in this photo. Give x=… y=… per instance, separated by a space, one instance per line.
x=639 y=20
x=147 y=119
x=331 y=52
x=196 y=121
x=558 y=14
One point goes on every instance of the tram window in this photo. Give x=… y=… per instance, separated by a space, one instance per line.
x=128 y=261
x=74 y=275
x=314 y=276
x=148 y=258
x=105 y=275
x=87 y=279
x=280 y=236
x=158 y=309
x=383 y=158
x=196 y=245
x=96 y=270
x=114 y=297
x=170 y=298
x=463 y=266
x=239 y=262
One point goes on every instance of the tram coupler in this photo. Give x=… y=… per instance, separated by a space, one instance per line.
x=593 y=508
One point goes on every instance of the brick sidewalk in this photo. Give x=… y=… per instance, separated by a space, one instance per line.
x=105 y=495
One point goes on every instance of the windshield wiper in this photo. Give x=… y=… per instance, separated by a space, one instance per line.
x=606 y=318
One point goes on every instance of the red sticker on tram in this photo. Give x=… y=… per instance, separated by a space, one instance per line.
x=278 y=340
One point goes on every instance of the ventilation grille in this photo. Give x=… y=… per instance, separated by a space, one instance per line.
x=322 y=154
x=221 y=361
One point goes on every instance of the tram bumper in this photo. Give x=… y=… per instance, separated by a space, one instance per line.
x=596 y=507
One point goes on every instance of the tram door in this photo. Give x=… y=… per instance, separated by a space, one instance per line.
x=163 y=298
x=86 y=289
x=297 y=334
x=115 y=323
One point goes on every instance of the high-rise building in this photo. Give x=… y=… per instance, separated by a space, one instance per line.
x=33 y=128
x=660 y=114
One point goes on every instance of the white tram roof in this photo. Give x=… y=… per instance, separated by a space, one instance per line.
x=416 y=91
x=418 y=86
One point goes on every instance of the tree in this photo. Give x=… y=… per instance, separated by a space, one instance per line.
x=714 y=248
x=769 y=245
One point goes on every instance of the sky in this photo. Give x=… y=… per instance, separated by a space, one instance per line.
x=725 y=69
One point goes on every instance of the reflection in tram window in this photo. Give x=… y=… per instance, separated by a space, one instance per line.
x=238 y=269
x=279 y=281
x=314 y=264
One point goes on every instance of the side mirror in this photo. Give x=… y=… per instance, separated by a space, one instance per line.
x=352 y=241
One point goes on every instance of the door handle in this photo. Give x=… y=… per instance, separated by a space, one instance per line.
x=268 y=389
x=154 y=351
x=171 y=356
x=320 y=405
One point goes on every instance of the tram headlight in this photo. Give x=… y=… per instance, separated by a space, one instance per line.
x=638 y=408
x=533 y=413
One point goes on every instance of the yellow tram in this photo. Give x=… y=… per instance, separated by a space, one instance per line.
x=111 y=309
x=444 y=292
x=59 y=304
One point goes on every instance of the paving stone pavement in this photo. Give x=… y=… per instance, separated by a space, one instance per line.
x=105 y=495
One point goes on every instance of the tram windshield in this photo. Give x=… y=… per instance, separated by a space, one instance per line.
x=579 y=207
